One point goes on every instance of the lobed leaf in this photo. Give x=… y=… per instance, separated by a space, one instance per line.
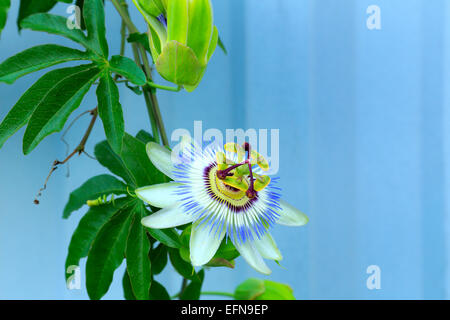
x=52 y=112
x=37 y=58
x=39 y=92
x=110 y=111
x=95 y=187
x=107 y=253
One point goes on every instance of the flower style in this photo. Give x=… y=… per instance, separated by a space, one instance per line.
x=223 y=195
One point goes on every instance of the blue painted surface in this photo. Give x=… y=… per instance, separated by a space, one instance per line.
x=364 y=126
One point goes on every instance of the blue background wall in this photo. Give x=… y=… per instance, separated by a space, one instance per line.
x=364 y=121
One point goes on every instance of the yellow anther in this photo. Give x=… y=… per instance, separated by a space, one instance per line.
x=235 y=148
x=259 y=160
x=261 y=182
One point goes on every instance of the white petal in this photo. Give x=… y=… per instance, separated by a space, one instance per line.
x=268 y=248
x=252 y=256
x=204 y=244
x=161 y=158
x=160 y=195
x=169 y=217
x=188 y=142
x=290 y=216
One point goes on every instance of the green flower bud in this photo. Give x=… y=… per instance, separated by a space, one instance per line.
x=257 y=289
x=182 y=38
x=154 y=7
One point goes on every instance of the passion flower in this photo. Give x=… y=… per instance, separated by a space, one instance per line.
x=224 y=194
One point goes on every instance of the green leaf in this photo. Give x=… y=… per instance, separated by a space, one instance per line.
x=221 y=262
x=128 y=69
x=182 y=267
x=158 y=292
x=141 y=38
x=257 y=289
x=4 y=7
x=277 y=291
x=94 y=18
x=222 y=46
x=37 y=58
x=80 y=4
x=110 y=160
x=107 y=253
x=51 y=113
x=29 y=7
x=145 y=137
x=88 y=228
x=136 y=160
x=110 y=111
x=227 y=250
x=40 y=93
x=92 y=189
x=128 y=293
x=138 y=262
x=136 y=89
x=225 y=255
x=54 y=24
x=193 y=290
x=250 y=289
x=185 y=236
x=169 y=237
x=158 y=257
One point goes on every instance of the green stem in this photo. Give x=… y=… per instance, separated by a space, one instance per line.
x=167 y=88
x=154 y=105
x=183 y=286
x=123 y=38
x=217 y=293
x=152 y=116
